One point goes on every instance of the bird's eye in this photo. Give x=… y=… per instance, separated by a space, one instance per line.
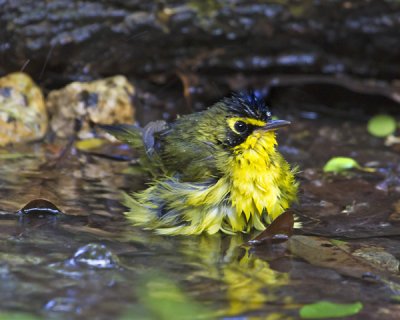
x=241 y=127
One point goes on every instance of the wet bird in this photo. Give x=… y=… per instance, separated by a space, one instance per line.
x=214 y=170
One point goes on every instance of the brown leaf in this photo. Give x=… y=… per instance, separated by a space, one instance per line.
x=323 y=253
x=278 y=231
x=40 y=206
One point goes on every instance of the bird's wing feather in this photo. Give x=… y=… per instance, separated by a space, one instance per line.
x=149 y=135
x=143 y=140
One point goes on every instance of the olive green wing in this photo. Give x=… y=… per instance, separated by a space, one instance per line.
x=188 y=151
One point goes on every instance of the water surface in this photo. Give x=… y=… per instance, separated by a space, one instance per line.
x=90 y=263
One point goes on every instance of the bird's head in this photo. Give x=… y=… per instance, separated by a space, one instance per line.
x=247 y=123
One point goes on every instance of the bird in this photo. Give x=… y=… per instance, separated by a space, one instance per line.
x=216 y=170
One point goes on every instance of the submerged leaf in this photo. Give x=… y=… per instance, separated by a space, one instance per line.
x=323 y=253
x=339 y=164
x=382 y=125
x=326 y=309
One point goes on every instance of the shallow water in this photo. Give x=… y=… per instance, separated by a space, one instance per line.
x=90 y=263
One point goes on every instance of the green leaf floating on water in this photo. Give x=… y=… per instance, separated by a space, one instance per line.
x=382 y=125
x=17 y=316
x=326 y=309
x=339 y=164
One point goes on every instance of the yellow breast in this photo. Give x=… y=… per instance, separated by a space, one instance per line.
x=259 y=179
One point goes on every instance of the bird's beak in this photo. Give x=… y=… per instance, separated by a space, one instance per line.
x=275 y=124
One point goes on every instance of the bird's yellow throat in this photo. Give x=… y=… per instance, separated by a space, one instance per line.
x=256 y=175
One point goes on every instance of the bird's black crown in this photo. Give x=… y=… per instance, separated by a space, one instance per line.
x=247 y=104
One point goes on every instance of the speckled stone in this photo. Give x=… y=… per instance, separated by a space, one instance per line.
x=105 y=101
x=23 y=115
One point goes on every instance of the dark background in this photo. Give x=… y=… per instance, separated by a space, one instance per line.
x=335 y=57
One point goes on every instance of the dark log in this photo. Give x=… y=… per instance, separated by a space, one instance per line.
x=62 y=40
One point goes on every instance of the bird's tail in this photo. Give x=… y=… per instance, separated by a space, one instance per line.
x=129 y=134
x=142 y=140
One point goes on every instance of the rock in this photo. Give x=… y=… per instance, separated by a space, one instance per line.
x=23 y=115
x=104 y=101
